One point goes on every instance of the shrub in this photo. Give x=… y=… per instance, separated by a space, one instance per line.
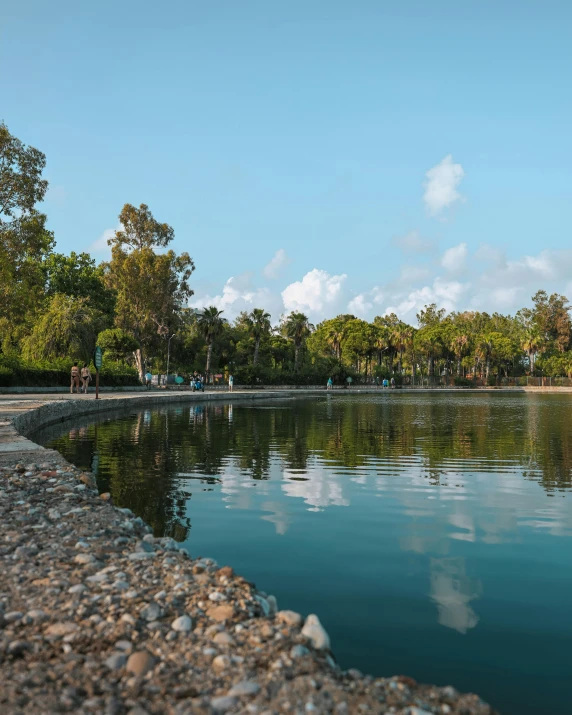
x=464 y=382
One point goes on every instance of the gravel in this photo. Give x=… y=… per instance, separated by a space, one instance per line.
x=97 y=616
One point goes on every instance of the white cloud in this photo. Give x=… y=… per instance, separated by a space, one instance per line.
x=454 y=258
x=363 y=303
x=237 y=295
x=441 y=185
x=99 y=247
x=318 y=293
x=413 y=243
x=274 y=267
x=447 y=294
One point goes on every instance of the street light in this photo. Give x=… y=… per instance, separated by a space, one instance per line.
x=169 y=356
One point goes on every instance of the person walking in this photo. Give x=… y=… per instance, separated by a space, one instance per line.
x=148 y=379
x=74 y=378
x=230 y=383
x=393 y=383
x=330 y=384
x=85 y=378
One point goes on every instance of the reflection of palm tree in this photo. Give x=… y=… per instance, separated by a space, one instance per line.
x=210 y=325
x=259 y=325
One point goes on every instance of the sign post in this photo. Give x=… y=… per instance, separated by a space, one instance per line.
x=97 y=361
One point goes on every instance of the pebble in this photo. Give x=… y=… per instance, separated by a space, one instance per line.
x=182 y=624
x=222 y=704
x=289 y=618
x=140 y=662
x=315 y=632
x=246 y=687
x=298 y=651
x=221 y=662
x=223 y=638
x=116 y=661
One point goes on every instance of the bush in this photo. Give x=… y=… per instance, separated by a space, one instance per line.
x=16 y=373
x=464 y=382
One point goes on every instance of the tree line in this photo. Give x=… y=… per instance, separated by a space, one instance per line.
x=55 y=308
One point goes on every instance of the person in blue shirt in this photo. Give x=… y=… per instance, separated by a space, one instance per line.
x=148 y=379
x=330 y=384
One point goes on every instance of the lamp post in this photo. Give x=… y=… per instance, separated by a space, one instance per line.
x=169 y=356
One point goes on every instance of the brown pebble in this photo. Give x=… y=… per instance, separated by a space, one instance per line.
x=106 y=496
x=221 y=613
x=225 y=571
x=140 y=662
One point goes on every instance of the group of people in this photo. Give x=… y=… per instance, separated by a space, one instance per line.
x=76 y=374
x=384 y=383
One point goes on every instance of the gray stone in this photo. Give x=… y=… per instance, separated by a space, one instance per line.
x=141 y=556
x=298 y=651
x=222 y=704
x=182 y=624
x=13 y=616
x=245 y=687
x=77 y=588
x=152 y=612
x=84 y=558
x=116 y=661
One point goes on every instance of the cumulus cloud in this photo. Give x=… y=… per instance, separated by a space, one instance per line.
x=318 y=294
x=99 y=247
x=454 y=258
x=363 y=303
x=441 y=185
x=239 y=294
x=447 y=294
x=276 y=264
x=412 y=242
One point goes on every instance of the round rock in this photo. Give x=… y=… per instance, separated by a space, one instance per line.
x=182 y=624
x=140 y=662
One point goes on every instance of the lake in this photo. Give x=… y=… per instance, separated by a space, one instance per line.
x=431 y=532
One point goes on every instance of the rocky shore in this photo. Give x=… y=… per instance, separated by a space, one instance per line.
x=98 y=616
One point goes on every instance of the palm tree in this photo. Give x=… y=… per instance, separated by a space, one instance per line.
x=259 y=323
x=210 y=324
x=458 y=345
x=400 y=337
x=297 y=327
x=532 y=344
x=484 y=351
x=334 y=339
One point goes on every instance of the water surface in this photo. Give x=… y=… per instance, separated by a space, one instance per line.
x=432 y=533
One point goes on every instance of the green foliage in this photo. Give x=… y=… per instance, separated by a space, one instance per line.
x=463 y=382
x=21 y=183
x=117 y=344
x=67 y=328
x=18 y=373
x=78 y=276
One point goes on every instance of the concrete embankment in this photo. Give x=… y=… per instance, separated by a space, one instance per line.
x=98 y=616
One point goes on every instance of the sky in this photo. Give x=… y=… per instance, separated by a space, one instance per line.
x=327 y=157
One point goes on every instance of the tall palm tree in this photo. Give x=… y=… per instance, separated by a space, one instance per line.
x=334 y=338
x=297 y=327
x=458 y=346
x=210 y=324
x=532 y=344
x=259 y=322
x=485 y=350
x=400 y=337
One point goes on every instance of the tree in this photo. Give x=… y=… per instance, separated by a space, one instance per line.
x=297 y=328
x=117 y=344
x=211 y=325
x=24 y=245
x=458 y=346
x=259 y=324
x=77 y=275
x=24 y=238
x=151 y=288
x=531 y=344
x=428 y=342
x=21 y=183
x=67 y=329
x=430 y=315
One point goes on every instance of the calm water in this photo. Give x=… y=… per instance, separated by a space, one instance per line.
x=432 y=533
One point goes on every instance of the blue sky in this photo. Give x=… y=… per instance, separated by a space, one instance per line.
x=308 y=129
